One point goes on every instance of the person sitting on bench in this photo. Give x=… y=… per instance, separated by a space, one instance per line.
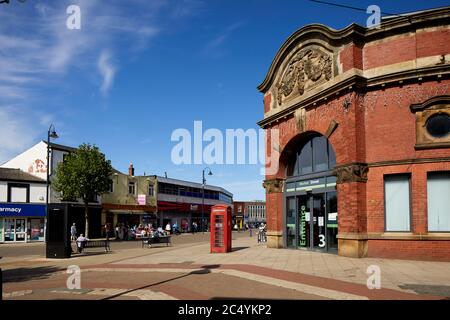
x=81 y=241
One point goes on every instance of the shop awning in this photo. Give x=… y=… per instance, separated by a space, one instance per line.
x=182 y=207
x=131 y=212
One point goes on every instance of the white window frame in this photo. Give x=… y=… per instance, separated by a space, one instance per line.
x=444 y=201
x=397 y=177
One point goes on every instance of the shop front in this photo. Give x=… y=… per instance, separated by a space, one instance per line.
x=183 y=214
x=310 y=196
x=22 y=222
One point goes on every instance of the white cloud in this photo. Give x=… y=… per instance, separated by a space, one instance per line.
x=214 y=47
x=16 y=132
x=107 y=71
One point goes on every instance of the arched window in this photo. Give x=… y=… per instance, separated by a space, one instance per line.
x=315 y=155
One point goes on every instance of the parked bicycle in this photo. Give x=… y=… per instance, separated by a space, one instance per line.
x=262 y=233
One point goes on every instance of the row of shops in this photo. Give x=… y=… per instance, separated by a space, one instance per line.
x=22 y=222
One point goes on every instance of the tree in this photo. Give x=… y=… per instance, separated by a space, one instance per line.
x=84 y=174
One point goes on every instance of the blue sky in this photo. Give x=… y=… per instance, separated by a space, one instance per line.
x=139 y=69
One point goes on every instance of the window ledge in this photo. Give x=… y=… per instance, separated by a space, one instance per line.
x=408 y=236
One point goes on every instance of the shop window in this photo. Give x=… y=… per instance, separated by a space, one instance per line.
x=397 y=203
x=438 y=199
x=432 y=123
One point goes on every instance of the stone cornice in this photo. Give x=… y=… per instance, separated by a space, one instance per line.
x=359 y=83
x=345 y=85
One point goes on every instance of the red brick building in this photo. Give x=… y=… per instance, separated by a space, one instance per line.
x=249 y=212
x=363 y=117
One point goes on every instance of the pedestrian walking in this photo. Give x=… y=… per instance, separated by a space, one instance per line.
x=73 y=232
x=107 y=231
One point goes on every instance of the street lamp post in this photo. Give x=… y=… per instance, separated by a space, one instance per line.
x=51 y=133
x=203 y=194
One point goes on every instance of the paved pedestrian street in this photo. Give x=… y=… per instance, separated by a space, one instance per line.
x=188 y=271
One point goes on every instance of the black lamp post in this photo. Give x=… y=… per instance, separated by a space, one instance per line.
x=50 y=134
x=203 y=194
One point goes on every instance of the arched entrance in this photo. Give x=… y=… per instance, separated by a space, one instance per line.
x=310 y=212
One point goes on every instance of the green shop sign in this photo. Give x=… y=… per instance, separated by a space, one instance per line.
x=302 y=226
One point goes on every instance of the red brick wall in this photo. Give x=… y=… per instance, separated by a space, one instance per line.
x=390 y=51
x=274 y=211
x=375 y=194
x=396 y=49
x=390 y=125
x=351 y=57
x=433 y=43
x=377 y=126
x=267 y=100
x=410 y=249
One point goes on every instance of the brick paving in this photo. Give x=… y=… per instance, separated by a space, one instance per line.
x=189 y=271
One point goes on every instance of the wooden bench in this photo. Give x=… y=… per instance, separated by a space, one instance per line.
x=95 y=244
x=157 y=240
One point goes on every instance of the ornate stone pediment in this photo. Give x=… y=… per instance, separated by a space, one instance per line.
x=307 y=69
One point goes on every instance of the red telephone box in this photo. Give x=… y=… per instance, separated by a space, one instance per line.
x=220 y=228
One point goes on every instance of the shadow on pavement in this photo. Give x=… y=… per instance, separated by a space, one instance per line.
x=206 y=269
x=238 y=248
x=27 y=274
x=424 y=289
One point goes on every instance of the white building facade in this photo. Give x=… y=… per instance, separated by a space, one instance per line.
x=22 y=206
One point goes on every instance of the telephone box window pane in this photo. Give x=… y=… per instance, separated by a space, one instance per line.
x=397 y=203
x=438 y=191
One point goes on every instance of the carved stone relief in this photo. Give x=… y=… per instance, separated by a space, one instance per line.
x=355 y=172
x=307 y=69
x=274 y=185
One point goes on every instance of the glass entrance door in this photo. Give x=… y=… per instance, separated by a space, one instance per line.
x=21 y=230
x=332 y=221
x=311 y=221
x=10 y=227
x=318 y=222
